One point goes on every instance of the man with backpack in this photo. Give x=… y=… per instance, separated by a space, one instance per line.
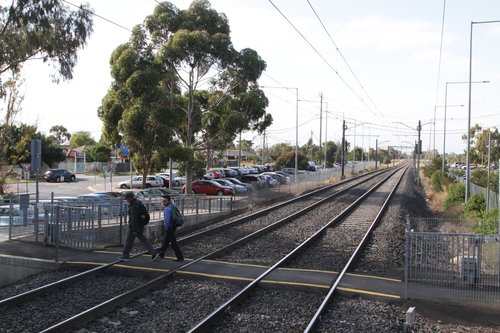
x=172 y=219
x=138 y=217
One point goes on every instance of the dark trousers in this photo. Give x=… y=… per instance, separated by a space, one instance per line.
x=170 y=238
x=130 y=242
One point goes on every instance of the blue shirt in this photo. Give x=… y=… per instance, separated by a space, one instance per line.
x=167 y=221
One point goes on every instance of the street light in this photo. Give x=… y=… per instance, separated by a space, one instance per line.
x=467 y=171
x=296 y=123
x=444 y=124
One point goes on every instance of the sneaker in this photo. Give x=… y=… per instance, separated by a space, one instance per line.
x=123 y=258
x=179 y=259
x=154 y=256
x=161 y=255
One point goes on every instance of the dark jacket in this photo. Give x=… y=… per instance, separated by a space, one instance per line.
x=134 y=212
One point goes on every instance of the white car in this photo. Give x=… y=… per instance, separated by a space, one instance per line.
x=137 y=182
x=178 y=181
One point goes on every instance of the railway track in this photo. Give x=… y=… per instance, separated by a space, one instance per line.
x=242 y=231
x=253 y=303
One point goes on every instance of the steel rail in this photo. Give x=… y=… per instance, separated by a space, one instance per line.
x=205 y=324
x=312 y=324
x=26 y=296
x=122 y=299
x=272 y=208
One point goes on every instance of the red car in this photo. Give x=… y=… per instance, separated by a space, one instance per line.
x=209 y=187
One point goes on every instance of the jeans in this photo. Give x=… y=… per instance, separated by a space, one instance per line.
x=130 y=242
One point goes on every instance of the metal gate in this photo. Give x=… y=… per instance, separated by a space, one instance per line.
x=452 y=266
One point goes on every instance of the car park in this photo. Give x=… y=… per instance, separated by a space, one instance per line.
x=59 y=175
x=209 y=187
x=137 y=182
x=238 y=189
x=18 y=215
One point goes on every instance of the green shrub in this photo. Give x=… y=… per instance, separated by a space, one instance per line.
x=488 y=224
x=455 y=195
x=437 y=181
x=475 y=206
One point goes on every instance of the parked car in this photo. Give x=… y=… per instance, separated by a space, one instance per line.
x=159 y=192
x=110 y=205
x=178 y=180
x=238 y=189
x=253 y=179
x=230 y=173
x=209 y=187
x=137 y=182
x=249 y=187
x=18 y=215
x=59 y=175
x=269 y=181
x=280 y=178
x=288 y=176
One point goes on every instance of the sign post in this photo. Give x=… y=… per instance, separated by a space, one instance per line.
x=36 y=165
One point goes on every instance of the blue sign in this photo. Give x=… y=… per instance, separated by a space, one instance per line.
x=124 y=150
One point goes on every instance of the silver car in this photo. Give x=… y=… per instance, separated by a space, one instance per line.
x=238 y=189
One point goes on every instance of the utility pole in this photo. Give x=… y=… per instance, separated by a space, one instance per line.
x=344 y=127
x=419 y=150
x=376 y=153
x=326 y=134
x=320 y=122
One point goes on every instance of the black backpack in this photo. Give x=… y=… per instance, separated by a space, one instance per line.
x=144 y=214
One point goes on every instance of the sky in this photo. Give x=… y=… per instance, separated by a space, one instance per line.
x=379 y=65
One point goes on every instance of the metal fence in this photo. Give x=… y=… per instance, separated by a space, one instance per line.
x=89 y=224
x=450 y=265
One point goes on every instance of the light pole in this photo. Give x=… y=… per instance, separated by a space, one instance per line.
x=444 y=123
x=467 y=171
x=296 y=123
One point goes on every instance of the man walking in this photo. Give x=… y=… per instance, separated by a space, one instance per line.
x=170 y=228
x=136 y=228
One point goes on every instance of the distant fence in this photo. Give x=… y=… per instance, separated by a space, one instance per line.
x=450 y=265
x=493 y=197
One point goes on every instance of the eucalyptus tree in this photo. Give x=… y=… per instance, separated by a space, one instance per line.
x=220 y=95
x=137 y=108
x=45 y=29
x=60 y=133
x=209 y=89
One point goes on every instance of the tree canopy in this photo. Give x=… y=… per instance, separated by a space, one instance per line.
x=81 y=138
x=44 y=29
x=179 y=77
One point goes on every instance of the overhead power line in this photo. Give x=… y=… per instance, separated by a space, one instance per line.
x=322 y=57
x=345 y=60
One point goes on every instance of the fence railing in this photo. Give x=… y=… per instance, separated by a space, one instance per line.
x=451 y=265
